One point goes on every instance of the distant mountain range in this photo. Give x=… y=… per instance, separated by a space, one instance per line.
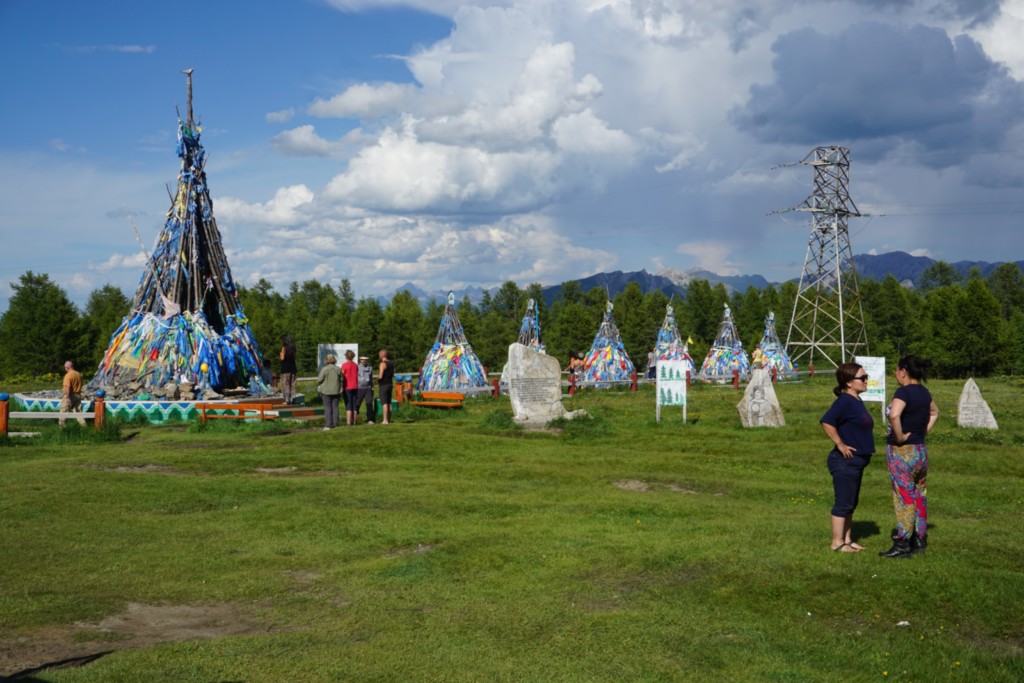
x=901 y=265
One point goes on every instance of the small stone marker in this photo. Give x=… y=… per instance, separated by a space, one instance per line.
x=535 y=387
x=972 y=410
x=760 y=407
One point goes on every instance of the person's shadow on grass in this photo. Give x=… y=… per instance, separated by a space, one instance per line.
x=862 y=530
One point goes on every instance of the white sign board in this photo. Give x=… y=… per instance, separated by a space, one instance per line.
x=339 y=353
x=875 y=367
x=671 y=385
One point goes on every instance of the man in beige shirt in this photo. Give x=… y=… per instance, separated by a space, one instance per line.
x=71 y=398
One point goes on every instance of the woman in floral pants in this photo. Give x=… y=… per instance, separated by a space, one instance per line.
x=912 y=414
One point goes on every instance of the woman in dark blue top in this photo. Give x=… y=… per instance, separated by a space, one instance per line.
x=848 y=424
x=912 y=414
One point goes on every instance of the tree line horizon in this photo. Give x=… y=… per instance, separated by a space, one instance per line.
x=967 y=325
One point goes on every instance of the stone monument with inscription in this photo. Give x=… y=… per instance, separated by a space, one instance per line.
x=535 y=387
x=760 y=407
x=972 y=410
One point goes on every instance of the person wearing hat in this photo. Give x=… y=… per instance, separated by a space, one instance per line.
x=365 y=391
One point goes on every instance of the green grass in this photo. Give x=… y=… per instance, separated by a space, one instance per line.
x=455 y=546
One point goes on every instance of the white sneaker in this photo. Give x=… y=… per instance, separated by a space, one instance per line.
x=327 y=429
x=370 y=422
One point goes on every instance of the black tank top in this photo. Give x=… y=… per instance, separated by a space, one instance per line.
x=389 y=372
x=288 y=363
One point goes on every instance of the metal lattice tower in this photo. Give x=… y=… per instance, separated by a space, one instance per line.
x=828 y=320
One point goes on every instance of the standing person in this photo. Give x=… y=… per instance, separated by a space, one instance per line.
x=71 y=392
x=757 y=359
x=652 y=364
x=385 y=379
x=288 y=368
x=351 y=373
x=365 y=394
x=575 y=364
x=849 y=425
x=912 y=414
x=329 y=386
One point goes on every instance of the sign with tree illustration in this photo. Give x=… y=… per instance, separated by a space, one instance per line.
x=874 y=367
x=671 y=385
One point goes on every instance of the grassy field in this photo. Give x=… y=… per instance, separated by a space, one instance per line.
x=452 y=546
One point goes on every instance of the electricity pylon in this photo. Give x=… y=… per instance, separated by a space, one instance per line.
x=828 y=320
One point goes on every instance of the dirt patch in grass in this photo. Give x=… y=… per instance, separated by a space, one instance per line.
x=647 y=486
x=157 y=469
x=417 y=549
x=295 y=472
x=302 y=576
x=138 y=626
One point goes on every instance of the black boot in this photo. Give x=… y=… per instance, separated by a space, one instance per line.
x=900 y=549
x=918 y=544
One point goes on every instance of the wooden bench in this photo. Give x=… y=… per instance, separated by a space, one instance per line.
x=243 y=411
x=439 y=399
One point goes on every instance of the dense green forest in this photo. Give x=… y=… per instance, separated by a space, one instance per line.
x=972 y=326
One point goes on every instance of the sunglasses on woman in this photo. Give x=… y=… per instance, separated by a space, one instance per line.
x=862 y=378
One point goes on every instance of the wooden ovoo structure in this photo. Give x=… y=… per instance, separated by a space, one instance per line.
x=529 y=335
x=773 y=352
x=529 y=330
x=186 y=330
x=726 y=353
x=451 y=364
x=670 y=344
x=607 y=360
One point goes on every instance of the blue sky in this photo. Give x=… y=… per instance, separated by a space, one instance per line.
x=456 y=144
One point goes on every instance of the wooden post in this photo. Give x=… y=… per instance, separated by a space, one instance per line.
x=497 y=388
x=735 y=379
x=99 y=408
x=572 y=383
x=810 y=366
x=687 y=379
x=775 y=374
x=632 y=387
x=5 y=413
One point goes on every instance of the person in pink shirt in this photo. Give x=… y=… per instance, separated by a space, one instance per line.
x=350 y=371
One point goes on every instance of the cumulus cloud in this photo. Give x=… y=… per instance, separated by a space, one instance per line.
x=392 y=250
x=366 y=101
x=280 y=116
x=1001 y=36
x=133 y=261
x=304 y=142
x=880 y=82
x=711 y=255
x=286 y=208
x=402 y=174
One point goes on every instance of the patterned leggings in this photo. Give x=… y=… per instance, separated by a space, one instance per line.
x=908 y=469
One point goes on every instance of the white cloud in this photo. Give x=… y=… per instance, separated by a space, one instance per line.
x=304 y=142
x=126 y=49
x=366 y=101
x=1001 y=37
x=711 y=255
x=585 y=134
x=402 y=174
x=280 y=116
x=134 y=261
x=286 y=208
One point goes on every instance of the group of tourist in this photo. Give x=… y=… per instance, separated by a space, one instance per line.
x=350 y=382
x=911 y=415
